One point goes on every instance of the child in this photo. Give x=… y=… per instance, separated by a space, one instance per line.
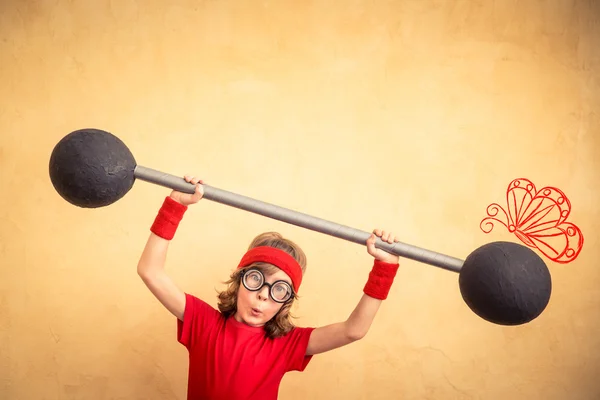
x=243 y=350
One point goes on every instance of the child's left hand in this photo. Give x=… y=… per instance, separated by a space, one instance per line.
x=379 y=254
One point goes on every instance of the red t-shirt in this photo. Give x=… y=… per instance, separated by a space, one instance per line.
x=230 y=360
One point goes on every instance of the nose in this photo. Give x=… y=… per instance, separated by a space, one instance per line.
x=263 y=294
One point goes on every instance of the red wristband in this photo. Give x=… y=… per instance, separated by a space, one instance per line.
x=168 y=218
x=380 y=280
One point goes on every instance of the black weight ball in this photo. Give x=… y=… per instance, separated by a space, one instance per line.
x=505 y=283
x=91 y=168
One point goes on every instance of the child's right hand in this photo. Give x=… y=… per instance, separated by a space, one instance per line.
x=185 y=198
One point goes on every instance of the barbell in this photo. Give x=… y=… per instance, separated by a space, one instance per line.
x=502 y=282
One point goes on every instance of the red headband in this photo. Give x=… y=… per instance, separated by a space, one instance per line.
x=279 y=258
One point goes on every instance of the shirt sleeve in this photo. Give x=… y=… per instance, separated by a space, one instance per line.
x=297 y=360
x=198 y=317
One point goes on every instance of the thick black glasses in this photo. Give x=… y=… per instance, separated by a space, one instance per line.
x=280 y=291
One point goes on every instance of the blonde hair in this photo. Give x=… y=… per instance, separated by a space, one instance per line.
x=281 y=323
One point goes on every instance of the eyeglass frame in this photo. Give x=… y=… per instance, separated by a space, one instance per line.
x=269 y=285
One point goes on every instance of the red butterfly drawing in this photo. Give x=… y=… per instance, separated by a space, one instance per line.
x=538 y=219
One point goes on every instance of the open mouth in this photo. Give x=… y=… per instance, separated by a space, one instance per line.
x=256 y=312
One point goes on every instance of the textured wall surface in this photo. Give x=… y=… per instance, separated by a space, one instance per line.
x=411 y=116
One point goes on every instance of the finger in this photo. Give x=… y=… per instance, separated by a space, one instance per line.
x=371 y=243
x=187 y=178
x=377 y=232
x=385 y=236
x=194 y=180
x=391 y=238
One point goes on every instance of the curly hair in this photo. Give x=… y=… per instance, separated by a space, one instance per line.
x=281 y=323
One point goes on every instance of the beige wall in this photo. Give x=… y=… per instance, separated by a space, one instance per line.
x=408 y=115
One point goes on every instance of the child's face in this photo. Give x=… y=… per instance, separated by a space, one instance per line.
x=257 y=308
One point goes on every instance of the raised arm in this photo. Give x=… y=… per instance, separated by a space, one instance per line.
x=357 y=325
x=151 y=266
